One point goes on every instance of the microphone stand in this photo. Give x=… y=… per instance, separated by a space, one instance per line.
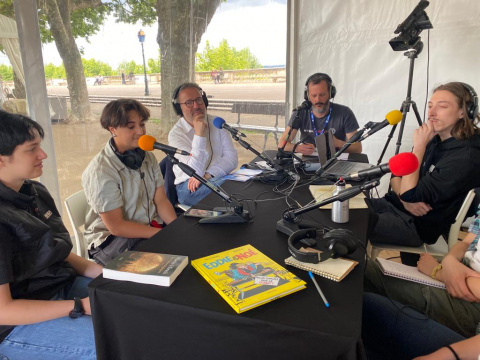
x=291 y=222
x=232 y=214
x=282 y=157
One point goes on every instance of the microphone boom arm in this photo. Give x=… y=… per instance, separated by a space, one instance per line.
x=238 y=215
x=290 y=220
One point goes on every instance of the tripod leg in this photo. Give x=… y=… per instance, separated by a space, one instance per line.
x=417 y=114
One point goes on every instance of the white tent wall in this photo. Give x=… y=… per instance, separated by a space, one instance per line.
x=349 y=40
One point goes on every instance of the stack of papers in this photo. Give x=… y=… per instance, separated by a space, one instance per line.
x=243 y=175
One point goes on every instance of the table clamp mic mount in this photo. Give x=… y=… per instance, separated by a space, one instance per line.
x=231 y=214
x=290 y=221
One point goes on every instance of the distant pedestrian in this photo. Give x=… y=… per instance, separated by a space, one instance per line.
x=219 y=76
x=123 y=78
x=130 y=77
x=213 y=74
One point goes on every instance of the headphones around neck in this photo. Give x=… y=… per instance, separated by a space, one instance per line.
x=472 y=105
x=317 y=78
x=176 y=106
x=334 y=243
x=133 y=159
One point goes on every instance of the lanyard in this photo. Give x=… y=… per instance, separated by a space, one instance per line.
x=312 y=118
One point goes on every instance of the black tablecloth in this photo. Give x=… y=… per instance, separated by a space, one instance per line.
x=189 y=320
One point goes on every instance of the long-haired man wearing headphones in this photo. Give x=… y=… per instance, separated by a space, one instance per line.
x=317 y=115
x=423 y=204
x=213 y=154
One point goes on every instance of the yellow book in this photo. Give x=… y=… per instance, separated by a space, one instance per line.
x=322 y=192
x=246 y=278
x=333 y=269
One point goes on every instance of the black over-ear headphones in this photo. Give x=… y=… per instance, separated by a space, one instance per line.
x=317 y=77
x=176 y=106
x=472 y=105
x=132 y=159
x=335 y=243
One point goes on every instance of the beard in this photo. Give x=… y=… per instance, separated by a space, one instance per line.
x=320 y=110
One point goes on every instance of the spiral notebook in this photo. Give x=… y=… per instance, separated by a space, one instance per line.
x=411 y=273
x=333 y=269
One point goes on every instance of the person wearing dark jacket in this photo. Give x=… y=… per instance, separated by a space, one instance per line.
x=43 y=285
x=423 y=205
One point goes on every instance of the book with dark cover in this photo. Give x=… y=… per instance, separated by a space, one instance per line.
x=246 y=278
x=145 y=267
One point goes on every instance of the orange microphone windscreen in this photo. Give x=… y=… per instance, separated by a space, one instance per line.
x=146 y=142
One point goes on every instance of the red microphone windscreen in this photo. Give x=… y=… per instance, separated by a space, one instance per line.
x=403 y=164
x=146 y=142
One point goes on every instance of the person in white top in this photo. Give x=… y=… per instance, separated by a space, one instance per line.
x=212 y=153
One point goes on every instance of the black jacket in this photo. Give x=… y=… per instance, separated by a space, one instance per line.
x=34 y=244
x=448 y=171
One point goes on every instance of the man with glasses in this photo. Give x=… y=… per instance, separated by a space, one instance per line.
x=212 y=153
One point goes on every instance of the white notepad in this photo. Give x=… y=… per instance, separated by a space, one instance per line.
x=333 y=269
x=411 y=273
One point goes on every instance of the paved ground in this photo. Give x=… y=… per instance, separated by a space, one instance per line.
x=241 y=91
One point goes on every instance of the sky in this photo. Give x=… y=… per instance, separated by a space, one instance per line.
x=260 y=25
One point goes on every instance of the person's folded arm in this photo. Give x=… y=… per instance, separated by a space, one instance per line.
x=118 y=226
x=163 y=206
x=23 y=312
x=228 y=160
x=84 y=267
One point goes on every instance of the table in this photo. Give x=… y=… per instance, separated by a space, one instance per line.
x=189 y=320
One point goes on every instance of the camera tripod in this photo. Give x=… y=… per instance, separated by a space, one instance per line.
x=405 y=108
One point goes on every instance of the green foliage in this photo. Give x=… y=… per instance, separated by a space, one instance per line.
x=93 y=67
x=153 y=66
x=128 y=66
x=55 y=72
x=225 y=57
x=87 y=17
x=6 y=72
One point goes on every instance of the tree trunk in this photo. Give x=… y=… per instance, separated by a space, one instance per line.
x=19 y=90
x=58 y=14
x=181 y=24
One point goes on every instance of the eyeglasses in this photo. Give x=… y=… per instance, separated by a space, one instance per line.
x=189 y=103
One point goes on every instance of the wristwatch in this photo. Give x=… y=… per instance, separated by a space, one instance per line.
x=77 y=309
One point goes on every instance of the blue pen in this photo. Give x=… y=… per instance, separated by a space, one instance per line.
x=327 y=304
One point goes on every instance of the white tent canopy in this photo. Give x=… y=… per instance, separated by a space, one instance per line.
x=9 y=41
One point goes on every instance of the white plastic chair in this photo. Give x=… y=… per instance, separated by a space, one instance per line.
x=438 y=249
x=77 y=208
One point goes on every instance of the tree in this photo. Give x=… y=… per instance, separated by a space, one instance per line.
x=181 y=24
x=62 y=21
x=67 y=19
x=226 y=58
x=93 y=67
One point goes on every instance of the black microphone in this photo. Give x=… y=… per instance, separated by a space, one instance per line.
x=219 y=123
x=400 y=165
x=148 y=143
x=306 y=105
x=392 y=118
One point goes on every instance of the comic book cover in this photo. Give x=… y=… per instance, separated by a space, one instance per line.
x=246 y=278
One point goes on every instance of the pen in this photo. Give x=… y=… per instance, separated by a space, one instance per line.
x=425 y=246
x=327 y=304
